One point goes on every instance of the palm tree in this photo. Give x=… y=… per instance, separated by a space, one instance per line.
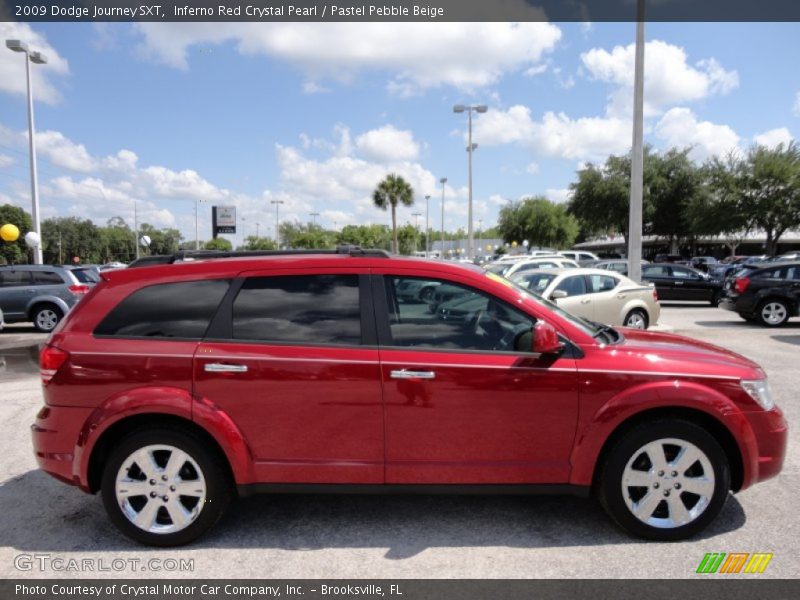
x=391 y=191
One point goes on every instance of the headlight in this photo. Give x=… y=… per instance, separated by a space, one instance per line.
x=758 y=390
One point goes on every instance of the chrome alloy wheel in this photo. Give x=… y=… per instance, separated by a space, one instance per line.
x=773 y=313
x=46 y=319
x=668 y=483
x=160 y=489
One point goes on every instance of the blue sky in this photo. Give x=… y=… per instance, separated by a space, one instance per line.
x=315 y=114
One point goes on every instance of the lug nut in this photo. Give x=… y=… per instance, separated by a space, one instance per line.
x=163 y=478
x=666 y=492
x=172 y=488
x=655 y=485
x=674 y=473
x=677 y=486
x=661 y=473
x=165 y=498
x=153 y=494
x=152 y=482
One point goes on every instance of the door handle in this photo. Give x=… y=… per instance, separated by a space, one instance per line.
x=412 y=374
x=585 y=301
x=223 y=368
x=678 y=283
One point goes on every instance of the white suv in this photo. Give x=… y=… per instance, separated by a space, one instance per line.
x=507 y=268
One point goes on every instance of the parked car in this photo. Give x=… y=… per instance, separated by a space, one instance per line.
x=724 y=270
x=619 y=266
x=702 y=263
x=39 y=293
x=88 y=274
x=113 y=265
x=582 y=257
x=508 y=268
x=174 y=388
x=667 y=258
x=678 y=282
x=769 y=296
x=416 y=290
x=595 y=294
x=790 y=256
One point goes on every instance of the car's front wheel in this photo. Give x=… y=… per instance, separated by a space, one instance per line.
x=163 y=487
x=665 y=480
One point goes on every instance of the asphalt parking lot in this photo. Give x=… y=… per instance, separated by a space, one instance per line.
x=405 y=536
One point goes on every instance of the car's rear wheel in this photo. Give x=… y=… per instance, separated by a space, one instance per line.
x=46 y=317
x=636 y=319
x=665 y=480
x=163 y=487
x=773 y=313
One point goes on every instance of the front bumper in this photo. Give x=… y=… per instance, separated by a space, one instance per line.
x=771 y=433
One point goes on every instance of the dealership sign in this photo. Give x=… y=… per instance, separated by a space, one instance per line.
x=224 y=219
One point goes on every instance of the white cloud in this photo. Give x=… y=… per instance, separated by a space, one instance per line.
x=555 y=135
x=12 y=64
x=559 y=196
x=679 y=127
x=532 y=168
x=63 y=152
x=669 y=78
x=419 y=56
x=387 y=144
x=773 y=137
x=5 y=161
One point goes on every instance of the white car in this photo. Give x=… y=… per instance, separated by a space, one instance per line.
x=595 y=294
x=508 y=268
x=579 y=256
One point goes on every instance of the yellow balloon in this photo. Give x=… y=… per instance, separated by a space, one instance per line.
x=9 y=232
x=513 y=244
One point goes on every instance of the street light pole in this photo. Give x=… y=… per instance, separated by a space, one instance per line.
x=416 y=228
x=637 y=154
x=460 y=108
x=427 y=227
x=38 y=59
x=480 y=235
x=277 y=204
x=443 y=180
x=313 y=216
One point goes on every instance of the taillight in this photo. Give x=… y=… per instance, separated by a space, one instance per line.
x=79 y=289
x=50 y=361
x=741 y=284
x=655 y=294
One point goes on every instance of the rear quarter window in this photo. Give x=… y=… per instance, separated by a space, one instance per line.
x=167 y=310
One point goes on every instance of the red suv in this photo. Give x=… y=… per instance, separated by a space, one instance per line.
x=173 y=388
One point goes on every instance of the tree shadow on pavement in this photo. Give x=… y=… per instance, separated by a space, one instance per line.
x=40 y=514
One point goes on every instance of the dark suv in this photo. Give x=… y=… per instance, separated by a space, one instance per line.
x=39 y=293
x=770 y=295
x=173 y=388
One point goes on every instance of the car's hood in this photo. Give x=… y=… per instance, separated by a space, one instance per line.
x=678 y=354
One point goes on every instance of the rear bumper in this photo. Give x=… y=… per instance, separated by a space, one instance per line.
x=738 y=304
x=771 y=433
x=55 y=437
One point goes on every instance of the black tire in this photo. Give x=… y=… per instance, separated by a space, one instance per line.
x=219 y=487
x=637 y=312
x=610 y=482
x=716 y=298
x=770 y=302
x=46 y=317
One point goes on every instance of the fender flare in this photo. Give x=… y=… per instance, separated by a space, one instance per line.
x=36 y=300
x=596 y=429
x=167 y=401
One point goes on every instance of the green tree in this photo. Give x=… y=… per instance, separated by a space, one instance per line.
x=601 y=196
x=410 y=239
x=308 y=235
x=162 y=241
x=117 y=241
x=366 y=236
x=393 y=190
x=14 y=253
x=218 y=244
x=258 y=243
x=674 y=184
x=64 y=238
x=541 y=222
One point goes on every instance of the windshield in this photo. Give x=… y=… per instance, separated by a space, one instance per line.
x=587 y=327
x=86 y=275
x=498 y=268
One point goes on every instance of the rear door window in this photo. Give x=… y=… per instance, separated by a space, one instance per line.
x=573 y=286
x=299 y=309
x=46 y=278
x=169 y=310
x=602 y=283
x=9 y=278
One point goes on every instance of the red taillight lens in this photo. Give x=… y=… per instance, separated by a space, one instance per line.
x=79 y=289
x=655 y=294
x=741 y=284
x=50 y=361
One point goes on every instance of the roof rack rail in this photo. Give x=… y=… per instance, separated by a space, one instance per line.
x=190 y=255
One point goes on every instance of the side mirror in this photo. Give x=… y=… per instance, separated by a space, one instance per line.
x=558 y=294
x=545 y=339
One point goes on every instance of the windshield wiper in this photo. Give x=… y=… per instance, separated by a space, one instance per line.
x=612 y=335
